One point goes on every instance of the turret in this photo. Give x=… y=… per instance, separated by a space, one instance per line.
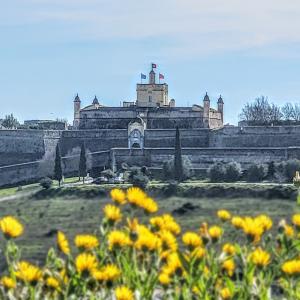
x=77 y=104
x=206 y=109
x=152 y=77
x=221 y=107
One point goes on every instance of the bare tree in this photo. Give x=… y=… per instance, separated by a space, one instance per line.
x=291 y=112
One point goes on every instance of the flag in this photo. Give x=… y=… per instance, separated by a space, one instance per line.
x=161 y=76
x=143 y=76
x=154 y=66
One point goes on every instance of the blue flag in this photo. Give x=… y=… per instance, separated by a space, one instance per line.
x=143 y=76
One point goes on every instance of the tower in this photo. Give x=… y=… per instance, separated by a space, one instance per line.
x=77 y=104
x=221 y=107
x=152 y=77
x=206 y=110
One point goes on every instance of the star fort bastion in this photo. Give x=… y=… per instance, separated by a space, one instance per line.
x=142 y=132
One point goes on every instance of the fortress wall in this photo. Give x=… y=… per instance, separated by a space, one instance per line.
x=95 y=140
x=255 y=136
x=166 y=138
x=204 y=157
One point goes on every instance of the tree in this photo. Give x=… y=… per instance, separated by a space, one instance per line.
x=261 y=112
x=82 y=163
x=178 y=169
x=10 y=122
x=291 y=112
x=58 y=174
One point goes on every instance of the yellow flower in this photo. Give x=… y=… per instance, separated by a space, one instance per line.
x=123 y=293
x=53 y=283
x=112 y=213
x=289 y=231
x=8 y=282
x=253 y=228
x=264 y=221
x=118 y=239
x=149 y=205
x=173 y=265
x=225 y=293
x=260 y=257
x=168 y=240
x=224 y=215
x=229 y=249
x=296 y=220
x=215 y=232
x=62 y=243
x=147 y=241
x=164 y=279
x=192 y=240
x=11 y=227
x=86 y=241
x=136 y=196
x=165 y=222
x=237 y=222
x=28 y=272
x=118 y=196
x=291 y=267
x=108 y=273
x=229 y=266
x=197 y=253
x=86 y=263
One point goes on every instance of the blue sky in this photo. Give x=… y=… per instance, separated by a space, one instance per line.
x=50 y=50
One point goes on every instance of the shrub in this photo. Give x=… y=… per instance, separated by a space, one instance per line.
x=138 y=177
x=171 y=188
x=233 y=172
x=216 y=172
x=290 y=168
x=256 y=173
x=46 y=183
x=271 y=170
x=169 y=170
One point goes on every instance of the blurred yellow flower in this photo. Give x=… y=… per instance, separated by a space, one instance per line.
x=62 y=243
x=291 y=267
x=86 y=241
x=237 y=222
x=164 y=279
x=149 y=205
x=225 y=293
x=165 y=222
x=173 y=265
x=192 y=240
x=112 y=213
x=123 y=293
x=260 y=257
x=147 y=241
x=229 y=266
x=8 y=282
x=197 y=253
x=253 y=228
x=86 y=263
x=136 y=196
x=264 y=221
x=118 y=196
x=107 y=273
x=28 y=272
x=118 y=239
x=296 y=220
x=215 y=232
x=224 y=215
x=289 y=231
x=168 y=240
x=53 y=283
x=11 y=227
x=229 y=249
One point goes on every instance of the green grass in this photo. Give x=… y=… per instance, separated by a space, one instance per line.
x=5 y=192
x=42 y=217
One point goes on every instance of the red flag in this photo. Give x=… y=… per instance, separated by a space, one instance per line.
x=161 y=76
x=153 y=66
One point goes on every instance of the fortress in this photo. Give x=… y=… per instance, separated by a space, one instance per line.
x=142 y=132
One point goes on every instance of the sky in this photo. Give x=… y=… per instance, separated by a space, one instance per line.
x=50 y=50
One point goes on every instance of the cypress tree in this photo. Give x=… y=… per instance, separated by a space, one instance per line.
x=82 y=163
x=58 y=174
x=178 y=169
